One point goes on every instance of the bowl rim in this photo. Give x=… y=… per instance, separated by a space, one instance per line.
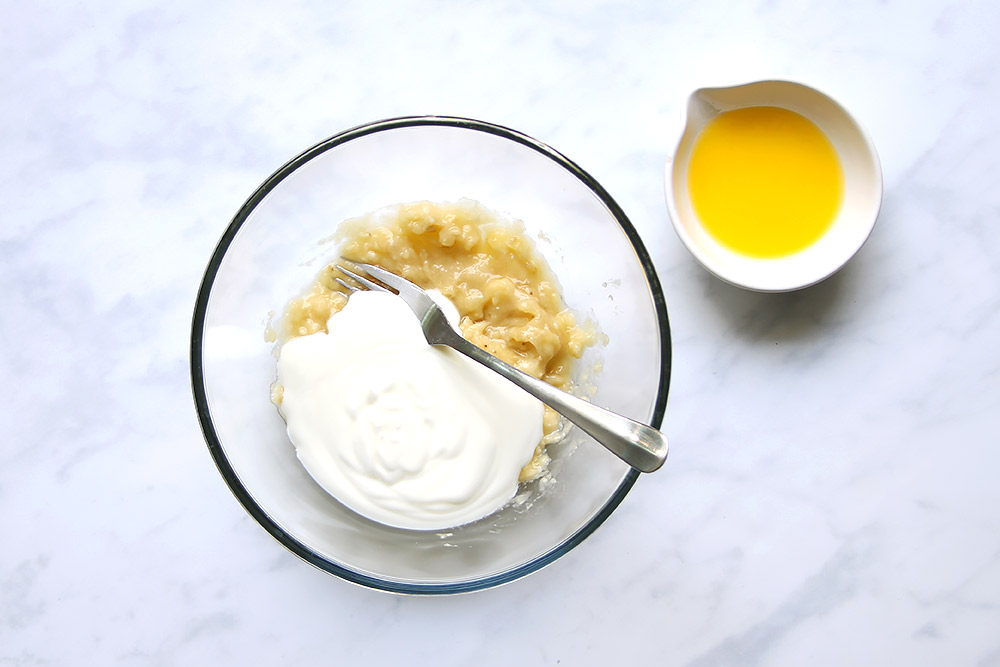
x=213 y=441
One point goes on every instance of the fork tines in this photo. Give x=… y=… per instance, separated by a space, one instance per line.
x=364 y=281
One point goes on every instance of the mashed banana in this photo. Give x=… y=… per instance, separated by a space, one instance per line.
x=507 y=297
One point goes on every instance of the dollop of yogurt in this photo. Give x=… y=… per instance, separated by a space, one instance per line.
x=401 y=432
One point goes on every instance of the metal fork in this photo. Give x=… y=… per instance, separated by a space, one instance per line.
x=642 y=447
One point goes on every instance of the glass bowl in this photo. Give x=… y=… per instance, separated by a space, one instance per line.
x=272 y=250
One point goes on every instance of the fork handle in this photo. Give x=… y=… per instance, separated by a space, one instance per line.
x=642 y=447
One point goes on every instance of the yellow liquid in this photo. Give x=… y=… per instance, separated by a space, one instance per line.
x=765 y=182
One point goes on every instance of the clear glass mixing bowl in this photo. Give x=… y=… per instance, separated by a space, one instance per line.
x=270 y=252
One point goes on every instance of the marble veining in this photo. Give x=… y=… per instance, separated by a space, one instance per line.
x=831 y=495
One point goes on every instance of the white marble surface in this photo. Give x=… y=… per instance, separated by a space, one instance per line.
x=831 y=496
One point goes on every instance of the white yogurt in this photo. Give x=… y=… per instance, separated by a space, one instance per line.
x=403 y=433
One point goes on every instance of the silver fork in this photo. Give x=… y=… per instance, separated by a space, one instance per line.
x=642 y=447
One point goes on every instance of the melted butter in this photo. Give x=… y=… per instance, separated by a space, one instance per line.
x=765 y=182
